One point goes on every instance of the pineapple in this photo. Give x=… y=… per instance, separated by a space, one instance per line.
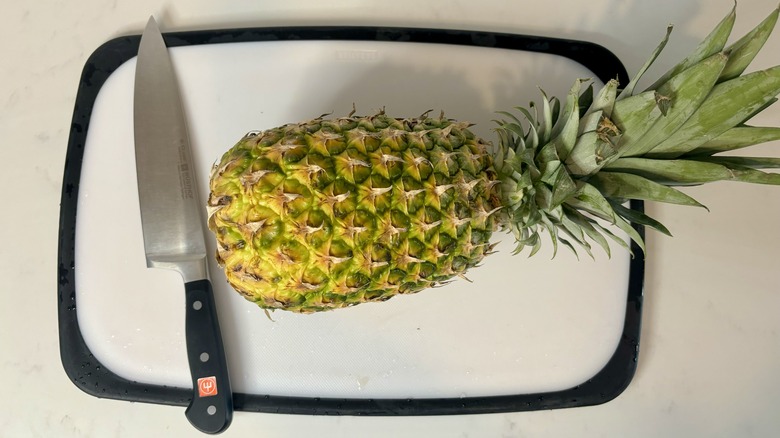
x=331 y=213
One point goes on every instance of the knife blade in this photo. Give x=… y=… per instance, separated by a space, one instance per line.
x=173 y=227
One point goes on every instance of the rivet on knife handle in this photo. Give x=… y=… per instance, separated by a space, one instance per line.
x=211 y=409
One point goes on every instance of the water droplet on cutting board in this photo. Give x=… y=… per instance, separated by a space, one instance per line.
x=362 y=382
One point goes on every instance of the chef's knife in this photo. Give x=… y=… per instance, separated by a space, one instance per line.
x=172 y=225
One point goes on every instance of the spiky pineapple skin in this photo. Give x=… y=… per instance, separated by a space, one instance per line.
x=332 y=213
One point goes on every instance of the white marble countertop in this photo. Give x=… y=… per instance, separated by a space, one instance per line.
x=710 y=348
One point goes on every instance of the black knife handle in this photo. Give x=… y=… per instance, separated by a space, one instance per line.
x=211 y=408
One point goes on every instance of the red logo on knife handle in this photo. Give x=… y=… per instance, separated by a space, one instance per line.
x=207 y=386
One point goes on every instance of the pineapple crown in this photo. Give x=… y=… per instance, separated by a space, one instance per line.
x=573 y=167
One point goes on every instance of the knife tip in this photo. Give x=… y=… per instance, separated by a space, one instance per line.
x=151 y=23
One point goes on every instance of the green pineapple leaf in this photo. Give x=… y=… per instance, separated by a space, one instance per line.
x=742 y=52
x=629 y=186
x=672 y=172
x=640 y=218
x=737 y=138
x=629 y=90
x=712 y=44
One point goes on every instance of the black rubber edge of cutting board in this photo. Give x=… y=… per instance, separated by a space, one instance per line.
x=89 y=375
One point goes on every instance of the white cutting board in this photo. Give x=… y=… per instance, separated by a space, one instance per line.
x=523 y=325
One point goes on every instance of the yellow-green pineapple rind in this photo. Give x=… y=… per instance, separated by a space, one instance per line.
x=333 y=213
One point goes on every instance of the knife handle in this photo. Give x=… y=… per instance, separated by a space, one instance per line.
x=211 y=408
